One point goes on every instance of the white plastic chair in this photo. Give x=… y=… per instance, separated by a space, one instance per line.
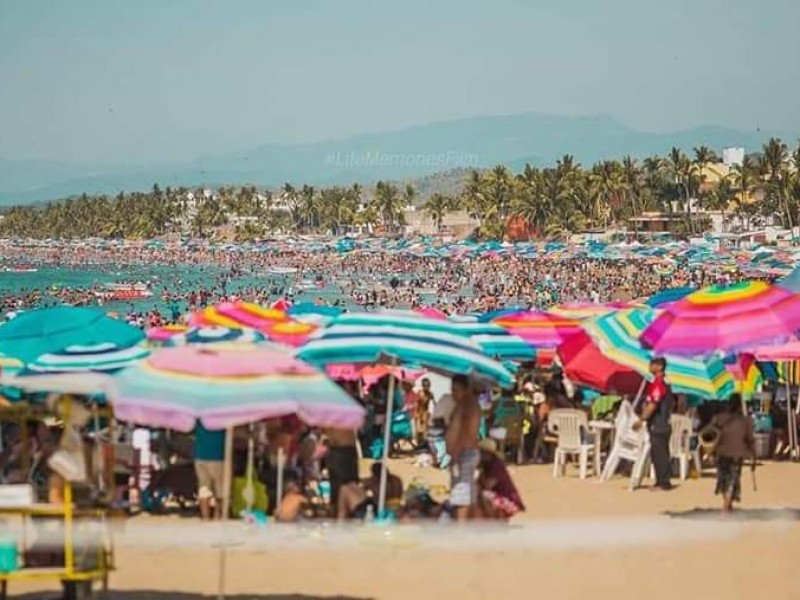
x=680 y=445
x=630 y=445
x=568 y=424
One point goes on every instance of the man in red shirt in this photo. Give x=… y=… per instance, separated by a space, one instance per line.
x=657 y=412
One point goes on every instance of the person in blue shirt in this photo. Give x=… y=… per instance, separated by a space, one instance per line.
x=209 y=464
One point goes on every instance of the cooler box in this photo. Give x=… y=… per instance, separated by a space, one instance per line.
x=9 y=557
x=763 y=445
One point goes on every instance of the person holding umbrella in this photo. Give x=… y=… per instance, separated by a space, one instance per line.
x=656 y=413
x=735 y=442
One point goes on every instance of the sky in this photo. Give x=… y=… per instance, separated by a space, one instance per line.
x=161 y=81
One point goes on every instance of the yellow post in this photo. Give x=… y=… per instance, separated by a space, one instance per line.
x=69 y=550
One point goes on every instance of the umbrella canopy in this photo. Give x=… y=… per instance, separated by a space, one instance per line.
x=746 y=374
x=617 y=336
x=586 y=310
x=538 y=329
x=290 y=333
x=46 y=330
x=728 y=319
x=102 y=358
x=495 y=341
x=225 y=387
x=343 y=342
x=162 y=334
x=239 y=315
x=792 y=281
x=215 y=335
x=316 y=314
x=585 y=363
x=788 y=351
x=669 y=296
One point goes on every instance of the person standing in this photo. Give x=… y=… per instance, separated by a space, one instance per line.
x=209 y=465
x=461 y=440
x=657 y=412
x=736 y=442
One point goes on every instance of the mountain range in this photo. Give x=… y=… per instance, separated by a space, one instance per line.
x=406 y=154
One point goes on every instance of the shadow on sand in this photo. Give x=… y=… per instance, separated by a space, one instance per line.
x=739 y=515
x=160 y=595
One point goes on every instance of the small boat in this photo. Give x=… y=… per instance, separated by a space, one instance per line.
x=125 y=291
x=21 y=269
x=282 y=270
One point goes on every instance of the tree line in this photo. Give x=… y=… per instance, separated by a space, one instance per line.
x=550 y=202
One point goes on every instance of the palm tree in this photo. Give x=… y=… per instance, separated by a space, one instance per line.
x=774 y=163
x=436 y=208
x=744 y=179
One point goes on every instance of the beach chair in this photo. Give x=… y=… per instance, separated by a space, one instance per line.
x=574 y=439
x=680 y=446
x=629 y=445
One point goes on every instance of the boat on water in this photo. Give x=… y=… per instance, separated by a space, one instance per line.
x=21 y=269
x=282 y=270
x=124 y=291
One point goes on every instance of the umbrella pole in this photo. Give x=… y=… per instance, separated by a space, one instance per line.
x=387 y=438
x=792 y=423
x=639 y=393
x=227 y=474
x=279 y=485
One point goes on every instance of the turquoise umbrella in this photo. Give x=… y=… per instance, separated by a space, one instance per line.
x=47 y=330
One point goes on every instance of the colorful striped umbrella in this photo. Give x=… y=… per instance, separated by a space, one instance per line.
x=617 y=336
x=101 y=358
x=586 y=310
x=226 y=387
x=291 y=333
x=539 y=329
x=352 y=340
x=669 y=296
x=159 y=335
x=238 y=315
x=316 y=314
x=746 y=374
x=730 y=319
x=215 y=335
x=495 y=341
x=45 y=330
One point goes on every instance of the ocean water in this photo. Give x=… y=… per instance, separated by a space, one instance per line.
x=180 y=279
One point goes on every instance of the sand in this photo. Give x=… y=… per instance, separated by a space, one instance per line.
x=579 y=539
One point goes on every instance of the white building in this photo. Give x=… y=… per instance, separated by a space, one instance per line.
x=733 y=156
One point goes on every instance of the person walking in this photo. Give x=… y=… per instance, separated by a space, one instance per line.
x=657 y=412
x=735 y=442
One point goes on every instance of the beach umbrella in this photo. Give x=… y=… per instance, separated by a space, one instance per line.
x=617 y=336
x=238 y=315
x=229 y=386
x=792 y=281
x=584 y=363
x=400 y=339
x=431 y=312
x=668 y=296
x=538 y=329
x=349 y=340
x=215 y=335
x=101 y=358
x=746 y=374
x=586 y=310
x=316 y=314
x=161 y=334
x=46 y=330
x=725 y=319
x=290 y=333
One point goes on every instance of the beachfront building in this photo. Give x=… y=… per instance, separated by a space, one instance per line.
x=456 y=223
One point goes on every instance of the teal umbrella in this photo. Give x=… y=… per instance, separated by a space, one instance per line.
x=47 y=330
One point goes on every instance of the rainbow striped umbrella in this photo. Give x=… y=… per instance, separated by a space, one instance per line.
x=238 y=315
x=578 y=311
x=228 y=386
x=730 y=319
x=746 y=374
x=617 y=335
x=539 y=329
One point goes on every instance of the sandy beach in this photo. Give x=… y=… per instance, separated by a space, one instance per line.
x=578 y=539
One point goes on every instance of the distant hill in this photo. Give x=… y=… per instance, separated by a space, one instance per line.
x=413 y=153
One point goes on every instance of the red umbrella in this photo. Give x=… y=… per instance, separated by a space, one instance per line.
x=585 y=364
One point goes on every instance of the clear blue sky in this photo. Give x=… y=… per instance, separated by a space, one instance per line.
x=137 y=81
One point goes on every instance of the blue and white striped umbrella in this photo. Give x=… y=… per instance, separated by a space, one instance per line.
x=100 y=357
x=346 y=342
x=495 y=341
x=215 y=335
